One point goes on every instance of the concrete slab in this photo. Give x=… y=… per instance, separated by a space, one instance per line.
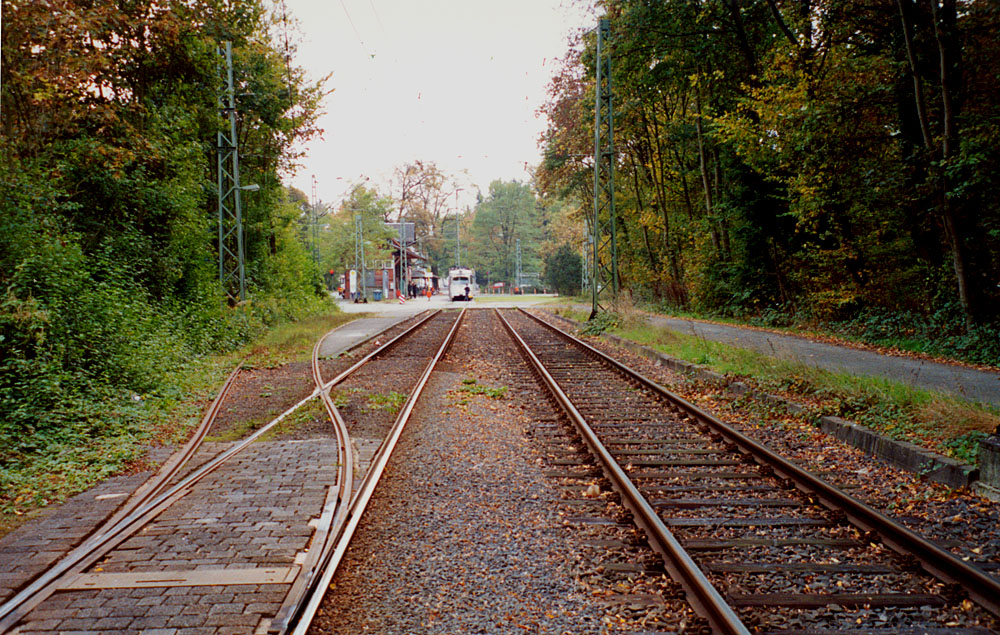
x=385 y=314
x=353 y=333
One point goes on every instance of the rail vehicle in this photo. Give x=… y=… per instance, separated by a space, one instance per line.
x=461 y=283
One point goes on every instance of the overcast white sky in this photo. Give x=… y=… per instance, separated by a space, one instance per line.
x=455 y=82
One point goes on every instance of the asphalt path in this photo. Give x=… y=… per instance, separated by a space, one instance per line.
x=973 y=385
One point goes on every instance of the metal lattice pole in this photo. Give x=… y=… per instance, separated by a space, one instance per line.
x=232 y=276
x=518 y=261
x=402 y=286
x=359 y=251
x=604 y=282
x=314 y=222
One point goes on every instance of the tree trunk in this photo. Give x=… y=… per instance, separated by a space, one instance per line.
x=949 y=143
x=706 y=184
x=918 y=90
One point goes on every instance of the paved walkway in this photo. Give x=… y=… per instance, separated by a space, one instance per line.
x=219 y=561
x=973 y=385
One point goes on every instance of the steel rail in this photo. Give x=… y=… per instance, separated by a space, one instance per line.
x=982 y=588
x=382 y=349
x=42 y=586
x=15 y=609
x=701 y=594
x=360 y=501
x=335 y=509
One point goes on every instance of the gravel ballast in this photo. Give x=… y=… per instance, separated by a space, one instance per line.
x=461 y=536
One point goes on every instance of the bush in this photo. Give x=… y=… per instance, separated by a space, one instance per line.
x=942 y=333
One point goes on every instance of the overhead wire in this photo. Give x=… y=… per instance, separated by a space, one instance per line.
x=377 y=17
x=355 y=29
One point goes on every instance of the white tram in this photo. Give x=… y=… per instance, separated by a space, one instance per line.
x=461 y=283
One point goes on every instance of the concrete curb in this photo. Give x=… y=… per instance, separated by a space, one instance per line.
x=902 y=454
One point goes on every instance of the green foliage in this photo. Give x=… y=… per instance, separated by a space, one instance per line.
x=507 y=215
x=942 y=333
x=778 y=155
x=563 y=269
x=472 y=387
x=337 y=238
x=603 y=321
x=390 y=402
x=108 y=263
x=944 y=424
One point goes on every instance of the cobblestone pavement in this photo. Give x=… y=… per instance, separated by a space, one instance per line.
x=31 y=549
x=218 y=561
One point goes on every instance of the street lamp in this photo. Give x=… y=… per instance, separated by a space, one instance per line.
x=458 y=229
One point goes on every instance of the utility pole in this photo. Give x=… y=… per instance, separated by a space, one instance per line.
x=403 y=285
x=604 y=282
x=458 y=225
x=359 y=253
x=519 y=264
x=314 y=222
x=232 y=277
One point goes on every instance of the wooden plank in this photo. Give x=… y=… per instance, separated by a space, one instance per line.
x=694 y=503
x=191 y=577
x=747 y=522
x=745 y=543
x=683 y=462
x=567 y=474
x=668 y=452
x=796 y=567
x=819 y=600
x=650 y=489
x=661 y=474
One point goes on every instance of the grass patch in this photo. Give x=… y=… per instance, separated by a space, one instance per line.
x=473 y=387
x=390 y=402
x=941 y=423
x=141 y=421
x=308 y=412
x=294 y=341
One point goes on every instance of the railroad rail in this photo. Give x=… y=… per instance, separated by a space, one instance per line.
x=309 y=602
x=719 y=491
x=43 y=585
x=167 y=489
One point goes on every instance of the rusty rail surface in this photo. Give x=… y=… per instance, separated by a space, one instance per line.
x=157 y=497
x=979 y=586
x=334 y=550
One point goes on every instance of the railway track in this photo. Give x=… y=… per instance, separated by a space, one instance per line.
x=141 y=520
x=751 y=542
x=756 y=543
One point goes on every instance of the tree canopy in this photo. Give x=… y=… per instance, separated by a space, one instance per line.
x=825 y=157
x=108 y=261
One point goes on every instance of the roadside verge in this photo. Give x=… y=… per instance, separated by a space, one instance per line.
x=902 y=454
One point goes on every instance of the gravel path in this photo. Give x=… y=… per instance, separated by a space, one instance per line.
x=462 y=535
